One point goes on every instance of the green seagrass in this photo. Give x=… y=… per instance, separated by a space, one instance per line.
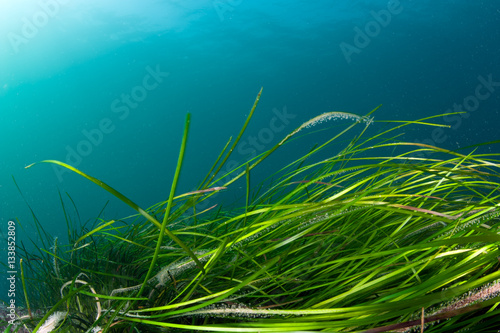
x=361 y=238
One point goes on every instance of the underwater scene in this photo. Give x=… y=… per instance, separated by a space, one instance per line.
x=249 y=166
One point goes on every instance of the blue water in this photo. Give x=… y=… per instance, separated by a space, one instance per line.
x=106 y=86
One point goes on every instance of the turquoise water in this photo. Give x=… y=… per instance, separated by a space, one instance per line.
x=106 y=86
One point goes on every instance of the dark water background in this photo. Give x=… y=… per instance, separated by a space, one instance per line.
x=67 y=67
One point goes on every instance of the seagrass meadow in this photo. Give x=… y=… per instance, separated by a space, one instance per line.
x=384 y=236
